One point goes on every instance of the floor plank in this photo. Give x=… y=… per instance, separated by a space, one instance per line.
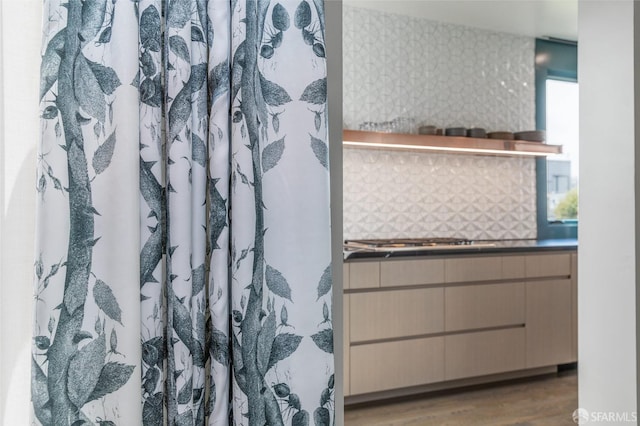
x=548 y=400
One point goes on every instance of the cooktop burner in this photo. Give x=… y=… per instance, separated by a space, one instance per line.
x=412 y=244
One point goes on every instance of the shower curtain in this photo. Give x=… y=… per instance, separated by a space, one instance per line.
x=182 y=272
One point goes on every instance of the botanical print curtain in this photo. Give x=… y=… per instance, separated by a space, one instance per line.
x=182 y=273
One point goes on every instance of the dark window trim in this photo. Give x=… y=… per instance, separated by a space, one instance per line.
x=557 y=60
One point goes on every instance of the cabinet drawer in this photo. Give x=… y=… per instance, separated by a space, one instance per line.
x=549 y=322
x=513 y=267
x=364 y=275
x=392 y=365
x=473 y=269
x=397 y=313
x=484 y=305
x=486 y=352
x=345 y=276
x=346 y=340
x=486 y=268
x=411 y=272
x=548 y=265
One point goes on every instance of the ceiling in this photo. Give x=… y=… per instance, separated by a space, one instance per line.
x=535 y=18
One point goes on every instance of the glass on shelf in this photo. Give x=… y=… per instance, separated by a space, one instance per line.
x=397 y=125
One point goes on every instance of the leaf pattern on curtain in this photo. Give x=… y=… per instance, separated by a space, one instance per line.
x=77 y=361
x=234 y=289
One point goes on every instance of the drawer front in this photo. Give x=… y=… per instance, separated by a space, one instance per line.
x=392 y=365
x=486 y=268
x=549 y=323
x=396 y=313
x=513 y=267
x=346 y=340
x=548 y=265
x=345 y=276
x=484 y=305
x=364 y=275
x=482 y=353
x=473 y=269
x=395 y=273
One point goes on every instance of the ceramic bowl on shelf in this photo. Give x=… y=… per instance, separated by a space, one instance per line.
x=530 y=135
x=476 y=132
x=455 y=131
x=501 y=135
x=427 y=130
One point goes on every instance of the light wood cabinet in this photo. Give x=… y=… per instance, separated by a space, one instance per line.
x=473 y=269
x=513 y=267
x=549 y=322
x=346 y=343
x=364 y=275
x=394 y=273
x=485 y=352
x=482 y=306
x=391 y=365
x=442 y=319
x=399 y=313
x=574 y=307
x=548 y=265
x=345 y=276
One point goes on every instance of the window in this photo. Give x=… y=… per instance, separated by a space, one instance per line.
x=557 y=113
x=562 y=169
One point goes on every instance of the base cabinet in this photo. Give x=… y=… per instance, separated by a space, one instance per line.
x=485 y=352
x=391 y=365
x=424 y=321
x=472 y=307
x=393 y=314
x=549 y=322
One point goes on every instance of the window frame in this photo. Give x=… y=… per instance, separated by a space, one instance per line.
x=556 y=60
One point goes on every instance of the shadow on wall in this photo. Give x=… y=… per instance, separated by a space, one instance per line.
x=18 y=227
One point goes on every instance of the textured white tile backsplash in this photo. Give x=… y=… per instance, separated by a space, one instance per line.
x=445 y=75
x=399 y=194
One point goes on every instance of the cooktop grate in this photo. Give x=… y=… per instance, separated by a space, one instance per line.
x=410 y=242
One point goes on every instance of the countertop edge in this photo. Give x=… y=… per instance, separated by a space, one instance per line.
x=500 y=248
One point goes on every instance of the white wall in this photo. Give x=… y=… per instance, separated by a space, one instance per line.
x=608 y=256
x=20 y=38
x=333 y=11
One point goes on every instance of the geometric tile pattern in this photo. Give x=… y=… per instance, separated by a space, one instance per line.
x=439 y=73
x=446 y=75
x=390 y=194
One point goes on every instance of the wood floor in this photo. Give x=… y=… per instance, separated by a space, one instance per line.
x=548 y=400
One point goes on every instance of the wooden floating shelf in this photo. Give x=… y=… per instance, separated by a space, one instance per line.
x=448 y=144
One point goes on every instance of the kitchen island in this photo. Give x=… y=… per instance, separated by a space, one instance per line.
x=424 y=320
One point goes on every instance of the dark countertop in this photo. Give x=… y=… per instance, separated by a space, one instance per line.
x=499 y=247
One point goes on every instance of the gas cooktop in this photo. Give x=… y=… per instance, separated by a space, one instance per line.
x=413 y=244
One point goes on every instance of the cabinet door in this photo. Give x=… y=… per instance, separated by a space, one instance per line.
x=549 y=322
x=392 y=365
x=484 y=305
x=467 y=269
x=345 y=276
x=485 y=352
x=486 y=268
x=397 y=313
x=346 y=345
x=574 y=307
x=548 y=265
x=364 y=275
x=394 y=273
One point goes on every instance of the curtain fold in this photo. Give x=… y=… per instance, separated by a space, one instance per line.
x=183 y=253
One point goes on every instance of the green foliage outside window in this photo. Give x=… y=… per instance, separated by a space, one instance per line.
x=567 y=208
